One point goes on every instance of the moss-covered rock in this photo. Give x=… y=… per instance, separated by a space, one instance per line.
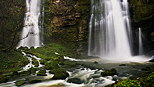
x=24 y=73
x=41 y=73
x=109 y=72
x=35 y=81
x=75 y=80
x=19 y=83
x=142 y=15
x=11 y=17
x=59 y=74
x=51 y=65
x=66 y=23
x=12 y=61
x=35 y=62
x=145 y=81
x=3 y=79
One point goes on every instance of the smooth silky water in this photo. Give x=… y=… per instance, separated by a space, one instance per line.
x=110 y=36
x=109 y=39
x=30 y=36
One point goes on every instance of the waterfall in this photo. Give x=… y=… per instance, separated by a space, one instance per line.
x=109 y=29
x=140 y=42
x=30 y=36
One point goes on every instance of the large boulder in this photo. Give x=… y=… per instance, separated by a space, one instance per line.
x=59 y=73
x=110 y=72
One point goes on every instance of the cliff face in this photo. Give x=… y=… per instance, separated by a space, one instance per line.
x=11 y=22
x=66 y=22
x=142 y=15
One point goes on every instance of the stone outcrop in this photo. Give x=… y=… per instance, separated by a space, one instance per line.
x=142 y=15
x=66 y=22
x=11 y=22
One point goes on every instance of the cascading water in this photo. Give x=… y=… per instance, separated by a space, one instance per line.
x=140 y=42
x=110 y=33
x=31 y=31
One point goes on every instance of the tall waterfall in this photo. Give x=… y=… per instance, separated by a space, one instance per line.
x=109 y=29
x=140 y=42
x=31 y=31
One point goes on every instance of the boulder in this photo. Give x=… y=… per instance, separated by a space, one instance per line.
x=109 y=72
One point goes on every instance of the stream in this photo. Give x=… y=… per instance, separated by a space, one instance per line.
x=84 y=76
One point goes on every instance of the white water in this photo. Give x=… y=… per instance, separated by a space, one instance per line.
x=31 y=32
x=30 y=64
x=110 y=33
x=91 y=78
x=140 y=42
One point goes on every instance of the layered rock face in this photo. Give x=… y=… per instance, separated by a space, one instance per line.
x=11 y=22
x=66 y=22
x=142 y=15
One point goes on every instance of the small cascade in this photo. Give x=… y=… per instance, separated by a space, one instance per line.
x=30 y=64
x=141 y=52
x=109 y=29
x=30 y=36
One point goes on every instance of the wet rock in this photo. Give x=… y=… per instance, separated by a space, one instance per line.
x=75 y=80
x=24 y=73
x=19 y=83
x=122 y=65
x=146 y=69
x=3 y=79
x=41 y=73
x=109 y=72
x=95 y=62
x=59 y=74
x=35 y=81
x=152 y=60
x=51 y=65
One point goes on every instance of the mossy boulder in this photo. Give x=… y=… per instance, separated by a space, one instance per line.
x=3 y=79
x=75 y=80
x=41 y=73
x=109 y=72
x=59 y=73
x=19 y=83
x=144 y=81
x=51 y=65
x=35 y=81
x=24 y=73
x=35 y=62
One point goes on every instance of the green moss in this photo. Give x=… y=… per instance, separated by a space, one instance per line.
x=3 y=79
x=11 y=17
x=66 y=23
x=109 y=72
x=51 y=65
x=12 y=61
x=35 y=62
x=142 y=10
x=19 y=83
x=41 y=73
x=59 y=74
x=48 y=52
x=25 y=73
x=146 y=81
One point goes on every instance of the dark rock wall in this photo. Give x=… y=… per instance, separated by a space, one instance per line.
x=142 y=15
x=66 y=23
x=11 y=22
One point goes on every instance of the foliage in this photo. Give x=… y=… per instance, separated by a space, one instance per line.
x=49 y=51
x=146 y=81
x=12 y=61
